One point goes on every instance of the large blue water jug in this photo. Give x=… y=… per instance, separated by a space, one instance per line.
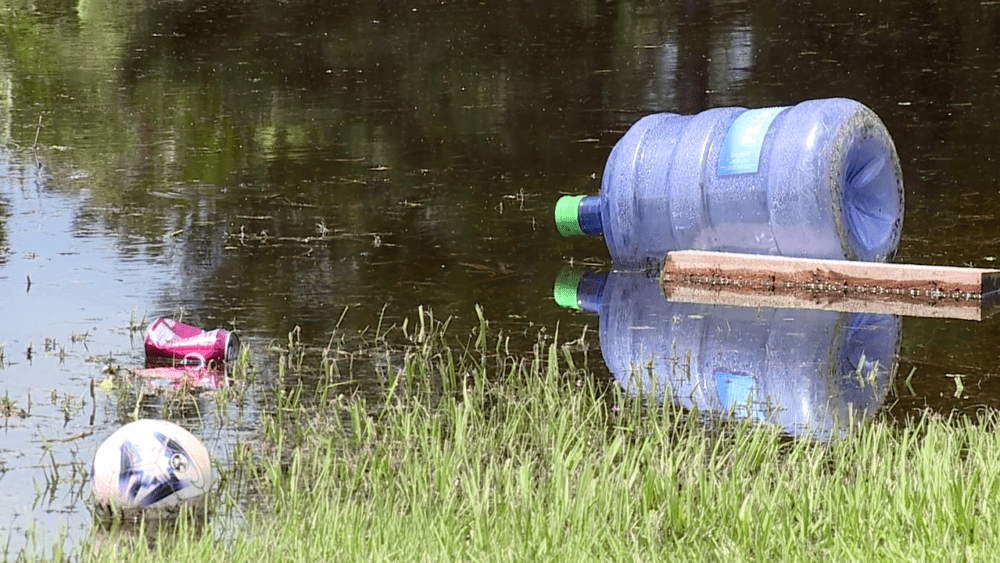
x=811 y=372
x=820 y=179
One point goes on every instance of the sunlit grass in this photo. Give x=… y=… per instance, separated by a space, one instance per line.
x=473 y=453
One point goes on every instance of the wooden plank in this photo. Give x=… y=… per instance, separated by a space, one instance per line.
x=906 y=289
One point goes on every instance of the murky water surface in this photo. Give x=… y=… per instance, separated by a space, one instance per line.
x=332 y=166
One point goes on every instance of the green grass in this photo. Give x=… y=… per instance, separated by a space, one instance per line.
x=473 y=453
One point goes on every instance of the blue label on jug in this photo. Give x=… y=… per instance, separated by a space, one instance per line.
x=737 y=392
x=741 y=147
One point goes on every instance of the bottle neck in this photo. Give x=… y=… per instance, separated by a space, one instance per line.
x=589 y=215
x=579 y=215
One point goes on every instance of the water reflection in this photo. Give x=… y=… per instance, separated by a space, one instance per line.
x=812 y=372
x=6 y=105
x=185 y=377
x=4 y=213
x=702 y=56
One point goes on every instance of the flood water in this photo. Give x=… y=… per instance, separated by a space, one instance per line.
x=332 y=166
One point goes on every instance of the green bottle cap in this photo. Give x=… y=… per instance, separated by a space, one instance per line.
x=564 y=291
x=568 y=215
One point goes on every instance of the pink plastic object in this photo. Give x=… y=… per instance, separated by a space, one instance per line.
x=170 y=340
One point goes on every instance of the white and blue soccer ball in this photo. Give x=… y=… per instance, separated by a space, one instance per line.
x=150 y=466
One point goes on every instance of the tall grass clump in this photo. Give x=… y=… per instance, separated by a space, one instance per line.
x=474 y=453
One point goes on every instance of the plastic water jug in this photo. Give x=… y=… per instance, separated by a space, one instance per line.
x=810 y=372
x=820 y=179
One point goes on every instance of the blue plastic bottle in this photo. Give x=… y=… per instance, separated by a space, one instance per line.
x=820 y=179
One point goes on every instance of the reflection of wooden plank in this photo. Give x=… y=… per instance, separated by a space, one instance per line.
x=969 y=309
x=778 y=281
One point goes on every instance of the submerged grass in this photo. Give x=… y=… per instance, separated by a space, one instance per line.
x=477 y=454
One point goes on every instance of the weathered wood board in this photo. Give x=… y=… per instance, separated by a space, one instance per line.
x=779 y=281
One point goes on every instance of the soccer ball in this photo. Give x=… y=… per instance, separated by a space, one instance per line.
x=149 y=466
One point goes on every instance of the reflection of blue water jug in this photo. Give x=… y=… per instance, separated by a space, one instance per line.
x=812 y=372
x=820 y=179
